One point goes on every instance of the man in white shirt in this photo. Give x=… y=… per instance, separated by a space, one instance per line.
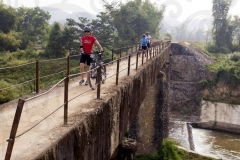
x=149 y=39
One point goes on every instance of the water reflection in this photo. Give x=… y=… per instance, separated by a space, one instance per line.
x=207 y=142
x=218 y=144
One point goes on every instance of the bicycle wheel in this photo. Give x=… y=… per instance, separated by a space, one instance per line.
x=92 y=77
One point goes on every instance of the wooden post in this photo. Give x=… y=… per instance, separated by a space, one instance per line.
x=129 y=64
x=120 y=53
x=66 y=99
x=112 y=56
x=117 y=72
x=68 y=66
x=37 y=77
x=126 y=52
x=14 y=129
x=137 y=61
x=99 y=77
x=147 y=54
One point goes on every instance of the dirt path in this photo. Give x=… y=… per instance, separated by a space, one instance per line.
x=47 y=132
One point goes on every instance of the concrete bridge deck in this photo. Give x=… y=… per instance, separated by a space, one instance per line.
x=47 y=133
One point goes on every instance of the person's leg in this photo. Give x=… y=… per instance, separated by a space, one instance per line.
x=82 y=70
x=89 y=59
x=82 y=62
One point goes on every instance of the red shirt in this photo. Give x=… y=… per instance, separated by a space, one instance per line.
x=87 y=42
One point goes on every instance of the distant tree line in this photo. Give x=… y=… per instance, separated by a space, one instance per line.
x=122 y=24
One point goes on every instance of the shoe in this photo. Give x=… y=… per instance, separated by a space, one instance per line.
x=81 y=82
x=86 y=83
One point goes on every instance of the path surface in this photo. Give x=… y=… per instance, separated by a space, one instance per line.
x=47 y=132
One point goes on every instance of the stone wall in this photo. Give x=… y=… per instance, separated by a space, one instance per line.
x=220 y=116
x=187 y=70
x=99 y=134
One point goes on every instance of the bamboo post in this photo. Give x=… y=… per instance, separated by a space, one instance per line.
x=117 y=72
x=37 y=77
x=66 y=99
x=14 y=129
x=99 y=81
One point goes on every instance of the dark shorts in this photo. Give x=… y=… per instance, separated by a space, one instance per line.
x=144 y=47
x=84 y=58
x=148 y=45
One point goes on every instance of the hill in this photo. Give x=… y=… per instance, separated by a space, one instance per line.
x=61 y=15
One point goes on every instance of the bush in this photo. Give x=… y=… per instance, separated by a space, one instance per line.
x=235 y=56
x=5 y=95
x=215 y=49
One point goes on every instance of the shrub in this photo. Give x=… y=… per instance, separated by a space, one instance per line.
x=215 y=49
x=5 y=95
x=235 y=56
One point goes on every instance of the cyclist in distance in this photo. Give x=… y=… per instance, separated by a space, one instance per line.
x=86 y=44
x=144 y=42
x=149 y=39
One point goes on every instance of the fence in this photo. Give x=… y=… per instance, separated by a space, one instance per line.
x=129 y=53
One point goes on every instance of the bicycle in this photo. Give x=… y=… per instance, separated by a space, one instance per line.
x=92 y=74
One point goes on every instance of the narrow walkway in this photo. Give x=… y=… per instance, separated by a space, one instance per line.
x=48 y=132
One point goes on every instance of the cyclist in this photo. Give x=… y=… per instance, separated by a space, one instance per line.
x=144 y=42
x=149 y=39
x=86 y=44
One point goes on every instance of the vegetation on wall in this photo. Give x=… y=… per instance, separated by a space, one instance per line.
x=168 y=150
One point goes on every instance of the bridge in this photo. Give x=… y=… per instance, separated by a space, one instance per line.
x=69 y=121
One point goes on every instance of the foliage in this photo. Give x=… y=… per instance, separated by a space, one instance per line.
x=56 y=45
x=9 y=41
x=220 y=10
x=168 y=150
x=226 y=71
x=8 y=18
x=212 y=48
x=133 y=19
x=32 y=25
x=6 y=95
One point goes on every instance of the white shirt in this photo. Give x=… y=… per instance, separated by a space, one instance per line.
x=149 y=38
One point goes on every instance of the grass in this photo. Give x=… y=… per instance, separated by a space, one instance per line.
x=168 y=150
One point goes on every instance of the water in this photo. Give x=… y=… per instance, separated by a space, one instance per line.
x=218 y=144
x=207 y=142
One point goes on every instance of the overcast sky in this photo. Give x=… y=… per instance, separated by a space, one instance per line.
x=177 y=10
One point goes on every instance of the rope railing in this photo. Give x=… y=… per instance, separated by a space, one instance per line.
x=41 y=94
x=13 y=86
x=66 y=100
x=5 y=68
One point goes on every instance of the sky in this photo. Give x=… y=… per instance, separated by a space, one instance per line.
x=177 y=11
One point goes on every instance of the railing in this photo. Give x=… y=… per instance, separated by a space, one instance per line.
x=151 y=53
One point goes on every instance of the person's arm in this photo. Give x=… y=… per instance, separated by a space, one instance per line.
x=99 y=46
x=81 y=45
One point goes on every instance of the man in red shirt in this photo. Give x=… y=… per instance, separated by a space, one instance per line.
x=86 y=45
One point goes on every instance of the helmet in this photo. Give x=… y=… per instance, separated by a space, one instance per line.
x=144 y=35
x=87 y=29
x=147 y=32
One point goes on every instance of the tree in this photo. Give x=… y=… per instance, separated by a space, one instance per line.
x=32 y=25
x=8 y=18
x=56 y=43
x=103 y=29
x=220 y=10
x=236 y=31
x=134 y=18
